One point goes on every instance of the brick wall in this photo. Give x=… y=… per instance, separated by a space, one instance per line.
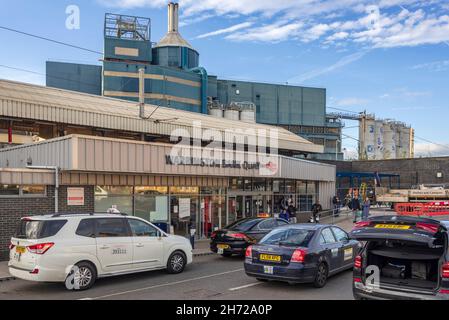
x=412 y=171
x=12 y=209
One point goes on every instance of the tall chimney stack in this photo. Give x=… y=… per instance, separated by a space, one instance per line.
x=172 y=17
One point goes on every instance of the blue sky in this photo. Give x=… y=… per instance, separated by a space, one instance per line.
x=390 y=57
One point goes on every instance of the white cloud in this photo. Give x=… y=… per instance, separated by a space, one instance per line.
x=351 y=102
x=225 y=30
x=437 y=66
x=268 y=33
x=325 y=70
x=431 y=150
x=133 y=3
x=188 y=21
x=394 y=23
x=337 y=36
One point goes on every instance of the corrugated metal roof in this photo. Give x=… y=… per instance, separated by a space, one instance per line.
x=35 y=102
x=101 y=154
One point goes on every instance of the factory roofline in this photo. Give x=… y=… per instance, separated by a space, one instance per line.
x=267 y=82
x=40 y=103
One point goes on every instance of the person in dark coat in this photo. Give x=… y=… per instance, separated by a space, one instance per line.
x=336 y=202
x=284 y=215
x=355 y=206
x=316 y=209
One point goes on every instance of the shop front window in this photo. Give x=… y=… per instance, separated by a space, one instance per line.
x=9 y=190
x=151 y=203
x=236 y=184
x=290 y=186
x=259 y=184
x=108 y=196
x=247 y=184
x=183 y=211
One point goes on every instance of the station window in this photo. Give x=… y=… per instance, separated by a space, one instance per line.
x=33 y=190
x=12 y=190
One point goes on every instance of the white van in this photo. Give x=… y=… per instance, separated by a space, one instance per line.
x=76 y=249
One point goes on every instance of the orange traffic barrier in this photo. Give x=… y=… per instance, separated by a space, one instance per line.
x=422 y=209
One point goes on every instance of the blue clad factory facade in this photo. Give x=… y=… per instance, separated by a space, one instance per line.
x=174 y=78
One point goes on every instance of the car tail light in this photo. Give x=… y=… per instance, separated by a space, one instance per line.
x=213 y=234
x=40 y=248
x=35 y=271
x=237 y=236
x=362 y=224
x=358 y=280
x=427 y=227
x=11 y=246
x=445 y=270
x=444 y=291
x=298 y=255
x=249 y=252
x=358 y=262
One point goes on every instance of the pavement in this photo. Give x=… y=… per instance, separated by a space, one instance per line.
x=202 y=246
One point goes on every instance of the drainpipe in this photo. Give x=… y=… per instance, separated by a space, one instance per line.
x=10 y=133
x=142 y=93
x=203 y=73
x=56 y=169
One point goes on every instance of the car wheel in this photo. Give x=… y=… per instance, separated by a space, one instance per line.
x=321 y=276
x=262 y=280
x=176 y=262
x=81 y=277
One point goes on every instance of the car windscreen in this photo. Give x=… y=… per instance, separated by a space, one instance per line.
x=288 y=237
x=38 y=229
x=242 y=225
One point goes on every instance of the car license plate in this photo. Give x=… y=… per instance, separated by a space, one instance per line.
x=268 y=269
x=270 y=257
x=222 y=246
x=20 y=249
x=392 y=226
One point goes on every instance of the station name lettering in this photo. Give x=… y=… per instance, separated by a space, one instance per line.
x=192 y=161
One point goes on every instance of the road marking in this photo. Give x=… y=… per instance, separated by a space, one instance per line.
x=164 y=285
x=245 y=286
x=85 y=299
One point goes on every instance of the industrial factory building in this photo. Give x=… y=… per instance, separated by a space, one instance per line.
x=175 y=79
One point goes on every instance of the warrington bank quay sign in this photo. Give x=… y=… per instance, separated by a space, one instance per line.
x=202 y=162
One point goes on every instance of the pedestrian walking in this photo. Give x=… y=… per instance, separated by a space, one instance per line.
x=365 y=210
x=336 y=202
x=292 y=213
x=355 y=206
x=316 y=209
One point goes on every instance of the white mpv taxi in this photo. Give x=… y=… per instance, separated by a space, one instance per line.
x=76 y=249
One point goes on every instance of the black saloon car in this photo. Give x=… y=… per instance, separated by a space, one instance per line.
x=301 y=253
x=236 y=237
x=402 y=258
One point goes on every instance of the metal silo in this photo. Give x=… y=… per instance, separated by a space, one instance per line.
x=232 y=111
x=368 y=134
x=247 y=112
x=215 y=108
x=389 y=141
x=379 y=134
